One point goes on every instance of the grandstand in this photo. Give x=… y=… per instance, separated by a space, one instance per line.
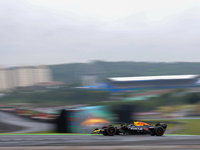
x=172 y=81
x=120 y=84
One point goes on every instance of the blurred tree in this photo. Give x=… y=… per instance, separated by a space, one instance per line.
x=70 y=73
x=193 y=98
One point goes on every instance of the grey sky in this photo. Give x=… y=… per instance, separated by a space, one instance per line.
x=34 y=32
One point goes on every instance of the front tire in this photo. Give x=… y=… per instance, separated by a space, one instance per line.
x=111 y=130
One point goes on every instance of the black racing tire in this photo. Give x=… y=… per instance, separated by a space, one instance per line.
x=111 y=130
x=159 y=131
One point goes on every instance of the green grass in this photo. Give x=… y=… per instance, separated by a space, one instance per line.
x=192 y=127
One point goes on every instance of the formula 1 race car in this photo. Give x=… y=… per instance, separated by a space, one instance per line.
x=132 y=129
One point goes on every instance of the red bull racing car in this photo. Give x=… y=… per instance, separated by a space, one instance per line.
x=132 y=129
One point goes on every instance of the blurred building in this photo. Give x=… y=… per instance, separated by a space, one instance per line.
x=11 y=78
x=89 y=80
x=3 y=79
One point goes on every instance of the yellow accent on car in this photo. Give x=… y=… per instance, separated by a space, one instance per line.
x=140 y=123
x=97 y=130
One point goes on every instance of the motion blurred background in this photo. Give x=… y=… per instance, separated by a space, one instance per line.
x=99 y=62
x=104 y=95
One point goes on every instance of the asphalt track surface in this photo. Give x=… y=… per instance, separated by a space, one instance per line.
x=97 y=140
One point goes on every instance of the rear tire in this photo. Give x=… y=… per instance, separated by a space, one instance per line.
x=159 y=131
